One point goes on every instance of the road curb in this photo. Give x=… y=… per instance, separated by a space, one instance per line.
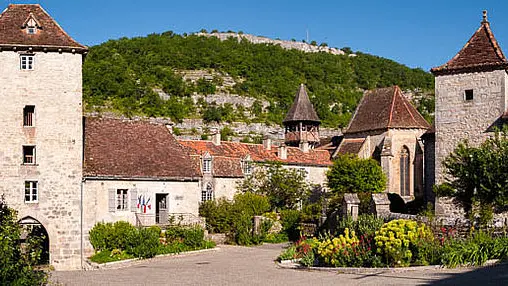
x=135 y=261
x=292 y=264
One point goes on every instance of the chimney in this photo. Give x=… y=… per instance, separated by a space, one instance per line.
x=304 y=146
x=267 y=143
x=283 y=152
x=216 y=138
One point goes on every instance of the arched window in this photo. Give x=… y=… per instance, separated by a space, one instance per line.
x=404 y=171
x=207 y=193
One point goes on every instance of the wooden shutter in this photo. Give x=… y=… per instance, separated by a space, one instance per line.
x=112 y=200
x=134 y=200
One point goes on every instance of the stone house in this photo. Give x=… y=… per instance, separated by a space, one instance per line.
x=387 y=128
x=137 y=172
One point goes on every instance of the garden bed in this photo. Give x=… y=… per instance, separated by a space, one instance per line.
x=396 y=244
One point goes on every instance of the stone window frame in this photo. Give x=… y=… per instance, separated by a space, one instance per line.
x=29 y=116
x=405 y=171
x=207 y=193
x=31 y=190
x=122 y=200
x=26 y=62
x=29 y=159
x=247 y=166
x=207 y=163
x=468 y=95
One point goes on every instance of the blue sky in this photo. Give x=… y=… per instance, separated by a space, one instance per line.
x=417 y=33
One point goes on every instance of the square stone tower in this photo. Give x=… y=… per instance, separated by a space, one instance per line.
x=41 y=122
x=471 y=94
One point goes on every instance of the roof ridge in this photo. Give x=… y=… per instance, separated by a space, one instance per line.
x=392 y=106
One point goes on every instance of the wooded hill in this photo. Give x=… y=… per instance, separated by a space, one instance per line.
x=122 y=76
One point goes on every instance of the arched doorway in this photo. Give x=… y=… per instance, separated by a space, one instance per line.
x=34 y=237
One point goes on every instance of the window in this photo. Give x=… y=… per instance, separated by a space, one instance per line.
x=27 y=62
x=28 y=154
x=31 y=30
x=207 y=165
x=247 y=168
x=207 y=194
x=404 y=172
x=31 y=195
x=468 y=94
x=121 y=200
x=28 y=115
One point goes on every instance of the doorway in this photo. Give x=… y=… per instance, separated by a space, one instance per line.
x=34 y=237
x=161 y=208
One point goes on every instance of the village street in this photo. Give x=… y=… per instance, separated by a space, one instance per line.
x=232 y=265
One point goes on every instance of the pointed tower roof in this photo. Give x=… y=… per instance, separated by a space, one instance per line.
x=385 y=108
x=46 y=35
x=302 y=109
x=480 y=53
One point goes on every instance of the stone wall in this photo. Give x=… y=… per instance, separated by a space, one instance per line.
x=458 y=119
x=54 y=88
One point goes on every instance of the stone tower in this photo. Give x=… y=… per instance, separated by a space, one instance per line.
x=471 y=94
x=301 y=124
x=41 y=121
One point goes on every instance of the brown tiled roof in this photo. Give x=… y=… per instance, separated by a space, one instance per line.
x=134 y=150
x=481 y=53
x=227 y=167
x=350 y=146
x=49 y=35
x=302 y=109
x=385 y=108
x=257 y=153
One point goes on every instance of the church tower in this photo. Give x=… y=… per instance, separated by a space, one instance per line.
x=41 y=146
x=301 y=124
x=471 y=94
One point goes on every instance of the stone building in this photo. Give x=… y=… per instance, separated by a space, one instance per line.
x=471 y=101
x=387 y=128
x=137 y=172
x=41 y=121
x=471 y=94
x=224 y=164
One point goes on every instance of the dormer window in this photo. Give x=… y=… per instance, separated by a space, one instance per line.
x=207 y=164
x=31 y=25
x=247 y=165
x=31 y=30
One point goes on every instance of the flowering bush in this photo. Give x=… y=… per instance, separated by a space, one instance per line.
x=396 y=238
x=347 y=250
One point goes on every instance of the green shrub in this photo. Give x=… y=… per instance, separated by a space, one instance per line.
x=276 y=237
x=288 y=254
x=396 y=238
x=144 y=243
x=218 y=215
x=193 y=237
x=101 y=236
x=110 y=256
x=290 y=220
x=121 y=233
x=366 y=224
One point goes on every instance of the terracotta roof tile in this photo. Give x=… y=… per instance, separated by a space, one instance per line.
x=302 y=109
x=295 y=156
x=480 y=53
x=134 y=149
x=227 y=167
x=385 y=108
x=350 y=146
x=49 y=34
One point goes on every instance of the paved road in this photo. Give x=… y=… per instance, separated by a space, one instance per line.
x=254 y=266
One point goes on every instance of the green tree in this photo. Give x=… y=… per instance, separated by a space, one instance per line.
x=285 y=188
x=350 y=174
x=17 y=266
x=479 y=174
